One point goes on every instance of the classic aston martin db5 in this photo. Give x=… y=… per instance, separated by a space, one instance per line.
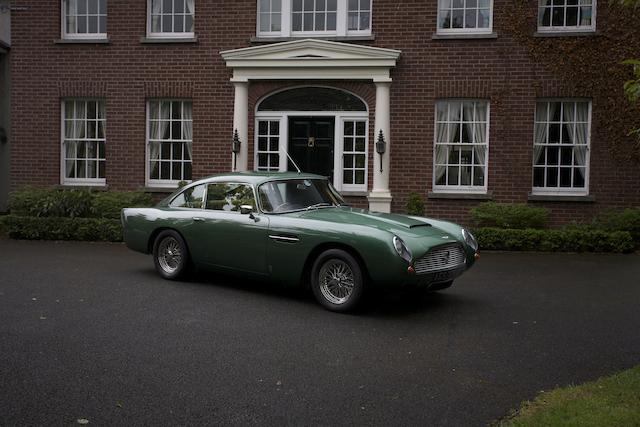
x=295 y=228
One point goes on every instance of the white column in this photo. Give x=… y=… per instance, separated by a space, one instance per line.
x=380 y=197
x=241 y=124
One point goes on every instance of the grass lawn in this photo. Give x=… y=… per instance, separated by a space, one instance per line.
x=609 y=401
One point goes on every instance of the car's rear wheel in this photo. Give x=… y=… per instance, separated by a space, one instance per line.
x=337 y=280
x=170 y=255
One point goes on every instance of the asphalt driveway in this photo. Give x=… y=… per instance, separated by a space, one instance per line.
x=88 y=331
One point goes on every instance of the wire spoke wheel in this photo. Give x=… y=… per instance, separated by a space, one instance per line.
x=169 y=255
x=336 y=281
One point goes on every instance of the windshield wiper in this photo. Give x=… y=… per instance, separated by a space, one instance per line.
x=319 y=205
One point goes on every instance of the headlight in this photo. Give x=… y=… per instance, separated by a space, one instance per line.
x=402 y=249
x=469 y=239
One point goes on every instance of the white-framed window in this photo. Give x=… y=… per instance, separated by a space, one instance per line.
x=561 y=147
x=83 y=142
x=566 y=15
x=84 y=19
x=171 y=18
x=354 y=154
x=268 y=145
x=304 y=18
x=169 y=141
x=465 y=16
x=461 y=146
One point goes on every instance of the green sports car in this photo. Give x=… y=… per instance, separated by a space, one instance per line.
x=295 y=228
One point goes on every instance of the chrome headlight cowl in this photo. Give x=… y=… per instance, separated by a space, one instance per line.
x=402 y=249
x=469 y=239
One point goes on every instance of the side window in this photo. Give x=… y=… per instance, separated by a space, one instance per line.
x=222 y=196
x=190 y=198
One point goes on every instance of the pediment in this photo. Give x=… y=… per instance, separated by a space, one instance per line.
x=312 y=50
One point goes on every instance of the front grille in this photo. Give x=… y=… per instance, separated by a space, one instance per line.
x=445 y=257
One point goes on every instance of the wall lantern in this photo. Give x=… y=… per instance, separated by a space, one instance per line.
x=381 y=147
x=235 y=147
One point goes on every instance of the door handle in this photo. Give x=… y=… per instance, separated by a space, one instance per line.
x=198 y=218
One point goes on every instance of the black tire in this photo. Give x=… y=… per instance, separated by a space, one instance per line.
x=440 y=286
x=170 y=255
x=339 y=295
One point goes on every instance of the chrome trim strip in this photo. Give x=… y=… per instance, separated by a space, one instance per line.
x=283 y=238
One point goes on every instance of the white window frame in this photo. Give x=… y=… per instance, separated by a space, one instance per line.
x=340 y=118
x=570 y=28
x=167 y=34
x=476 y=30
x=163 y=183
x=563 y=191
x=81 y=36
x=282 y=122
x=467 y=189
x=286 y=30
x=63 y=165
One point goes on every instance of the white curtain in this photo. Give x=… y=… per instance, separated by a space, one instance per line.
x=442 y=151
x=156 y=10
x=157 y=129
x=581 y=135
x=191 y=10
x=541 y=128
x=187 y=126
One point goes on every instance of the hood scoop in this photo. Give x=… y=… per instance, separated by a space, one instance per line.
x=424 y=224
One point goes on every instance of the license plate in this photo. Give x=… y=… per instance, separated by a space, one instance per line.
x=442 y=275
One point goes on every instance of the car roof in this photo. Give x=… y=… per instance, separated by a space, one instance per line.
x=257 y=178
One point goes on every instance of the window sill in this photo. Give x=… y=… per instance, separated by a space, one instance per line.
x=464 y=36
x=82 y=41
x=169 y=40
x=148 y=189
x=543 y=34
x=329 y=38
x=460 y=196
x=588 y=198
x=354 y=193
x=76 y=186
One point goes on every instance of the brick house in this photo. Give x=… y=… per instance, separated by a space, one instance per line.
x=144 y=94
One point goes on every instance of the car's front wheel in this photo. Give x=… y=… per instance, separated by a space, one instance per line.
x=170 y=255
x=337 y=280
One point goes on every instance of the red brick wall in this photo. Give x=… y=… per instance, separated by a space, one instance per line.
x=127 y=72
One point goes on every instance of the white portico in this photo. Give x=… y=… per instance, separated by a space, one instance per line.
x=311 y=60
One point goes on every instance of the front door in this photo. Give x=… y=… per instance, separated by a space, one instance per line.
x=311 y=141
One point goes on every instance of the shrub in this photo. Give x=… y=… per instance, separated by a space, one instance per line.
x=51 y=202
x=109 y=204
x=50 y=228
x=562 y=240
x=74 y=203
x=415 y=205
x=509 y=215
x=625 y=220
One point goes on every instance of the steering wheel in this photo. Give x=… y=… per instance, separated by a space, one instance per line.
x=282 y=205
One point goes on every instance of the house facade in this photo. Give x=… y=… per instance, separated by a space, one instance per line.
x=5 y=102
x=445 y=98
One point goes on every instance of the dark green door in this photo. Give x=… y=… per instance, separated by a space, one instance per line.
x=311 y=142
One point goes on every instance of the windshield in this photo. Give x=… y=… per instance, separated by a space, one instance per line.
x=297 y=194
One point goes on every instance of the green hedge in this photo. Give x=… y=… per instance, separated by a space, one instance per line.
x=509 y=215
x=625 y=220
x=45 y=228
x=561 y=240
x=74 y=203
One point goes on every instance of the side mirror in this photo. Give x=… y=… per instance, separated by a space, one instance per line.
x=246 y=209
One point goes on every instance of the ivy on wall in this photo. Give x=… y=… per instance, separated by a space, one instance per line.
x=592 y=65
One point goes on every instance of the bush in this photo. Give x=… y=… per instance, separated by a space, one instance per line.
x=562 y=240
x=625 y=220
x=73 y=203
x=109 y=204
x=509 y=215
x=415 y=205
x=50 y=228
